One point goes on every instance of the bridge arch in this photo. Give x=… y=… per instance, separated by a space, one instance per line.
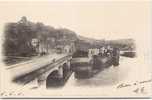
x=53 y=79
x=58 y=76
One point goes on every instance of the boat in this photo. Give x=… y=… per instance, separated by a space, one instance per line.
x=86 y=67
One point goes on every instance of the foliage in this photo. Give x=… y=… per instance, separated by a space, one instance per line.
x=18 y=37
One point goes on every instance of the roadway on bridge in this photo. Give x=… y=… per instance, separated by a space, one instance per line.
x=32 y=65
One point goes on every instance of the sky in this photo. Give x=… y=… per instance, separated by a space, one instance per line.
x=93 y=19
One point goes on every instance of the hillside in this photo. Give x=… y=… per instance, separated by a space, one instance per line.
x=19 y=35
x=122 y=44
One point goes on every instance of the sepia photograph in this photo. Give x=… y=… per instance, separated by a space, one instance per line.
x=75 y=49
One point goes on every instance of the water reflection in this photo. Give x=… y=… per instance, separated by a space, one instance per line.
x=106 y=77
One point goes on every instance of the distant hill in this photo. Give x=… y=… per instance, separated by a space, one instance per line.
x=122 y=44
x=90 y=40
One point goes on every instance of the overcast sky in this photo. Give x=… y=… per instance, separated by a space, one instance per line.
x=109 y=20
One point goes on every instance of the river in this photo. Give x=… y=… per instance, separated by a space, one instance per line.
x=102 y=84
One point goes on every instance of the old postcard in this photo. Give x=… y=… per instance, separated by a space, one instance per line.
x=75 y=49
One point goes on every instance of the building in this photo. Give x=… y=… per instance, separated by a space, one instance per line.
x=93 y=51
x=66 y=48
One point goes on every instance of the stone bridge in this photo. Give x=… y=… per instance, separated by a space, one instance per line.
x=53 y=71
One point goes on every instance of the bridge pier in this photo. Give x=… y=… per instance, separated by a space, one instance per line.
x=69 y=64
x=60 y=72
x=42 y=81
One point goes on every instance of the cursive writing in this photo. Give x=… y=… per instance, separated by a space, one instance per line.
x=123 y=85
x=139 y=90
